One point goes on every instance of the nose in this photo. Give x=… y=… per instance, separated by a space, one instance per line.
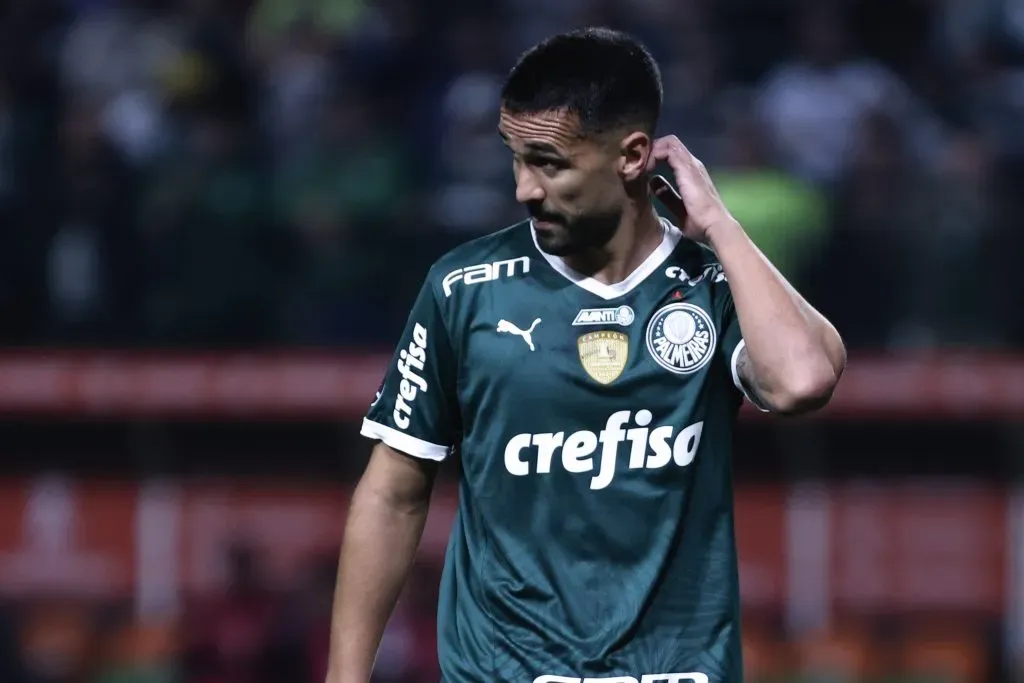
x=527 y=187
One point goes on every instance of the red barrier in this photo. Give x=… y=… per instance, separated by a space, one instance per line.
x=125 y=385
x=930 y=545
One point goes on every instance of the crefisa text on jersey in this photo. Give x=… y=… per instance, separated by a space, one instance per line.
x=644 y=678
x=714 y=272
x=410 y=364
x=649 y=448
x=485 y=272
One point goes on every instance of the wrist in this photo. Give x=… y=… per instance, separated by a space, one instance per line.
x=721 y=233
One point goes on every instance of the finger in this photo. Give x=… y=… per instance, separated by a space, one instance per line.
x=668 y=196
x=659 y=152
x=671 y=150
x=682 y=149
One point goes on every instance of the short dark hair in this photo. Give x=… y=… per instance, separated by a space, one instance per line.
x=606 y=78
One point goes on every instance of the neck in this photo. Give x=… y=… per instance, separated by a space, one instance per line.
x=638 y=235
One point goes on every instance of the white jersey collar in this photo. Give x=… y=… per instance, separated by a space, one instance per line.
x=670 y=238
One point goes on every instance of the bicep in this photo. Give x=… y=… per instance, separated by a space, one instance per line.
x=734 y=349
x=401 y=480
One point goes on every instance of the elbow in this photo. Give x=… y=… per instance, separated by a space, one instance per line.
x=807 y=390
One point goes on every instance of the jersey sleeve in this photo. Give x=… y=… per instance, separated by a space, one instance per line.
x=732 y=339
x=416 y=408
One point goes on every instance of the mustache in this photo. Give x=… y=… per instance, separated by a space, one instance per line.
x=538 y=213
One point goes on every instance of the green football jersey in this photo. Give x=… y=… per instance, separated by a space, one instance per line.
x=594 y=535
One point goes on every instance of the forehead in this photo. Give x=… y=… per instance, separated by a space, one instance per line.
x=550 y=130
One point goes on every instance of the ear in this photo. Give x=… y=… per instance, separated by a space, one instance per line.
x=634 y=152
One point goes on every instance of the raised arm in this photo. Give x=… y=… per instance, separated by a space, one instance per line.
x=792 y=357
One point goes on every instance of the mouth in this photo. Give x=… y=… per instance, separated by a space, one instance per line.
x=545 y=224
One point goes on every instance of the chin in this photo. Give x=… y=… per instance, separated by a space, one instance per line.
x=553 y=241
x=559 y=249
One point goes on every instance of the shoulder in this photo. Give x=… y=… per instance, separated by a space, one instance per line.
x=506 y=253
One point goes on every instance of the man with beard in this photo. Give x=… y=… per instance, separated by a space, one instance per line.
x=587 y=365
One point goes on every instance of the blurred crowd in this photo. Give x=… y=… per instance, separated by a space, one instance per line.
x=252 y=632
x=257 y=633
x=247 y=173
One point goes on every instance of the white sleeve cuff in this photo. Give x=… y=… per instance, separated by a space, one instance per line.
x=736 y=376
x=402 y=442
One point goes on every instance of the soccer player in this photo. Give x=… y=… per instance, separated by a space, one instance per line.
x=587 y=366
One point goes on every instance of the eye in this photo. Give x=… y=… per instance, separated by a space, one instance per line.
x=548 y=166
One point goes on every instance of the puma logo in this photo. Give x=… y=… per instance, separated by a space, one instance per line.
x=507 y=327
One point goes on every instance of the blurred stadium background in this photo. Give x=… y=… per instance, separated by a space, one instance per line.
x=216 y=213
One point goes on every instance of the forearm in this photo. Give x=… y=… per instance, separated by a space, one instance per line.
x=794 y=353
x=381 y=538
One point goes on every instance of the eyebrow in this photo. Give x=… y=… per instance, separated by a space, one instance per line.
x=539 y=147
x=543 y=148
